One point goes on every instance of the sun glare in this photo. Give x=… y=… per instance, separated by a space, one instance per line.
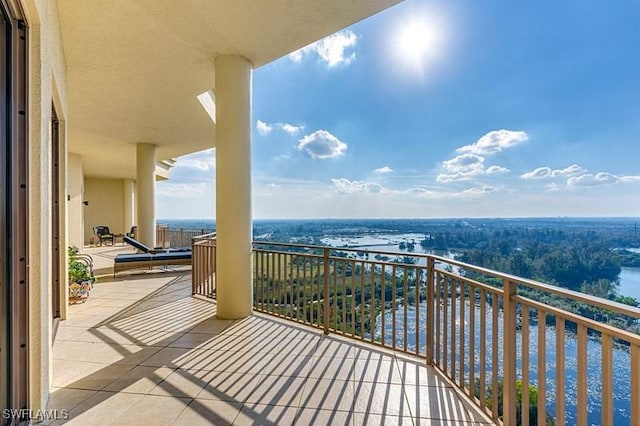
x=416 y=39
x=417 y=44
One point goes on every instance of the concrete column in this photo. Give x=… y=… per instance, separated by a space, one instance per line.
x=146 y=193
x=234 y=287
x=129 y=216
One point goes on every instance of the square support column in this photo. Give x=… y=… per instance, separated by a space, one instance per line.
x=234 y=286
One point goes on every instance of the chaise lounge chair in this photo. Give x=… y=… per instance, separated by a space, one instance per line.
x=149 y=257
x=146 y=249
x=123 y=262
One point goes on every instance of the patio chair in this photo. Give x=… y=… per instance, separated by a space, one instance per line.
x=104 y=234
x=146 y=249
x=133 y=233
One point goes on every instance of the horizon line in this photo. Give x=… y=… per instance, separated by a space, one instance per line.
x=420 y=218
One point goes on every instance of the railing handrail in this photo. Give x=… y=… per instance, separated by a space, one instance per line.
x=210 y=236
x=536 y=285
x=579 y=319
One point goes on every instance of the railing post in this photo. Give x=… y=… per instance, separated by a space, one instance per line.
x=635 y=383
x=326 y=315
x=430 y=308
x=509 y=378
x=194 y=266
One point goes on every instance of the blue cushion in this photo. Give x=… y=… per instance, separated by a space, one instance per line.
x=133 y=257
x=172 y=255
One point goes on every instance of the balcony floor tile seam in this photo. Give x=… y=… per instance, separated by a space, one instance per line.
x=103 y=388
x=69 y=407
x=464 y=404
x=365 y=419
x=316 y=383
x=301 y=411
x=387 y=386
x=124 y=417
x=258 y=417
x=294 y=402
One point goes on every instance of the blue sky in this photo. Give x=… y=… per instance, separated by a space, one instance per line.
x=445 y=109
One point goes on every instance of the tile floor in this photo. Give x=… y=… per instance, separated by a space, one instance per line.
x=143 y=351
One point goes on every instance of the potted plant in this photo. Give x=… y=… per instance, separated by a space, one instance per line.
x=81 y=277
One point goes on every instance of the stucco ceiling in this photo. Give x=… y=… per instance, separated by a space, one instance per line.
x=135 y=67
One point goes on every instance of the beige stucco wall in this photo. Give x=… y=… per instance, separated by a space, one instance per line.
x=106 y=205
x=75 y=185
x=47 y=84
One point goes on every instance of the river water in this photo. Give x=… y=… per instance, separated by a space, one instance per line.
x=621 y=362
x=630 y=282
x=629 y=286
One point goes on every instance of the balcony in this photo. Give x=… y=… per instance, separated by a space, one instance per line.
x=523 y=352
x=343 y=336
x=143 y=350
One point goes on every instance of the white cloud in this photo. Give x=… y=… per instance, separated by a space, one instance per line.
x=573 y=169
x=282 y=157
x=465 y=163
x=198 y=161
x=539 y=173
x=383 y=170
x=332 y=50
x=347 y=186
x=627 y=179
x=547 y=172
x=470 y=161
x=171 y=190
x=273 y=185
x=476 y=191
x=576 y=176
x=602 y=178
x=266 y=128
x=496 y=169
x=263 y=128
x=494 y=142
x=296 y=56
x=455 y=177
x=462 y=167
x=552 y=187
x=290 y=128
x=438 y=194
x=322 y=145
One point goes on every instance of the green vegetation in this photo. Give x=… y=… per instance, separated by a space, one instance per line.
x=576 y=265
x=292 y=285
x=628 y=258
x=79 y=271
x=569 y=267
x=533 y=402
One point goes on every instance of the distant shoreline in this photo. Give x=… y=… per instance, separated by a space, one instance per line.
x=533 y=218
